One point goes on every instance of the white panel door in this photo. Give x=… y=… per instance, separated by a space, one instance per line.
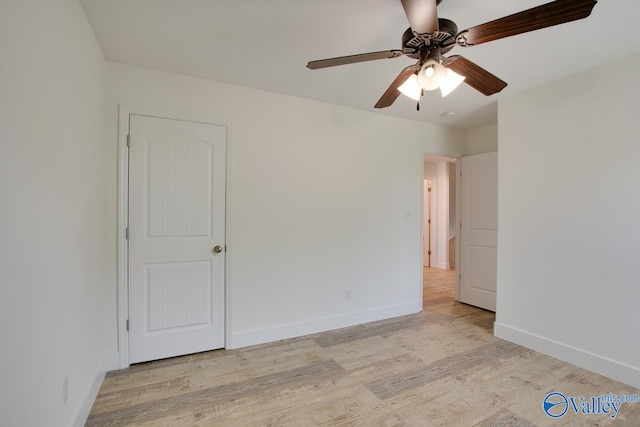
x=176 y=219
x=479 y=232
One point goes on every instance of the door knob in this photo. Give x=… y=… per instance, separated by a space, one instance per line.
x=217 y=249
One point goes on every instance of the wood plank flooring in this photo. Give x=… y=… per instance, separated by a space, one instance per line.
x=442 y=367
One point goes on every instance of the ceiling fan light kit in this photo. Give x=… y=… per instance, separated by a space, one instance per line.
x=429 y=37
x=411 y=88
x=431 y=75
x=452 y=81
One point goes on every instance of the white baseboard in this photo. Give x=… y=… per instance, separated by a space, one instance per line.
x=610 y=368
x=88 y=397
x=443 y=265
x=298 y=329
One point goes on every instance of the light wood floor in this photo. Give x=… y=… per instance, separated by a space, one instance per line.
x=442 y=367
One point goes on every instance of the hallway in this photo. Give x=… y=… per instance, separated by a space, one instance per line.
x=438 y=295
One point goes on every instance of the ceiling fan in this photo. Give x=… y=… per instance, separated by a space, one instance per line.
x=429 y=37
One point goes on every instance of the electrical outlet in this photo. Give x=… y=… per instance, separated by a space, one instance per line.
x=65 y=390
x=347 y=294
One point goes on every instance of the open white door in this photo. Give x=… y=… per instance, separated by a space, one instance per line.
x=479 y=230
x=176 y=237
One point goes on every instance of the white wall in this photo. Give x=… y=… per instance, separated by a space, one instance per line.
x=482 y=140
x=52 y=221
x=321 y=198
x=442 y=221
x=568 y=282
x=453 y=178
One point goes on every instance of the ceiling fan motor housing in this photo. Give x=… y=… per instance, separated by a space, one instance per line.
x=443 y=39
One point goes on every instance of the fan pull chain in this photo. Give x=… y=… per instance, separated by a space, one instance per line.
x=418 y=106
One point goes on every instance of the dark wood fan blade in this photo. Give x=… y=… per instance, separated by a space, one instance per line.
x=392 y=93
x=547 y=15
x=475 y=76
x=422 y=15
x=352 y=59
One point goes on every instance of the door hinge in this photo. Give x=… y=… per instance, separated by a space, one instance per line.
x=126 y=233
x=429 y=190
x=429 y=253
x=127 y=325
x=429 y=221
x=128 y=140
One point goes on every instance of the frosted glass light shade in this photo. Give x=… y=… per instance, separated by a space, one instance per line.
x=452 y=81
x=411 y=88
x=431 y=75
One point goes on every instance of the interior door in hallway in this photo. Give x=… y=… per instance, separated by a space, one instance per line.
x=176 y=237
x=427 y=235
x=479 y=230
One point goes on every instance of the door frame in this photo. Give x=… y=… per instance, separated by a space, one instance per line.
x=458 y=223
x=433 y=229
x=124 y=111
x=449 y=158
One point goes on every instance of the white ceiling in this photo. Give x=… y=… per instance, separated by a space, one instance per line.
x=266 y=44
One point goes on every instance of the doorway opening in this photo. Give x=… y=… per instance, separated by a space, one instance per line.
x=439 y=230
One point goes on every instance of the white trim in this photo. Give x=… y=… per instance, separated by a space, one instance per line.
x=123 y=222
x=124 y=111
x=458 y=230
x=227 y=239
x=610 y=368
x=297 y=329
x=88 y=398
x=443 y=265
x=420 y=281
